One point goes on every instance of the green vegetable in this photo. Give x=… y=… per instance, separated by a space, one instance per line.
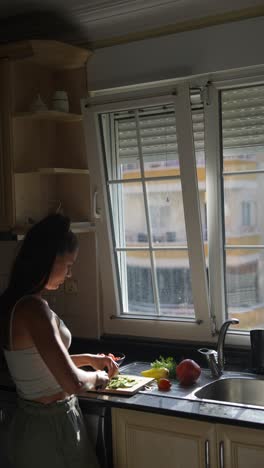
x=121 y=382
x=168 y=362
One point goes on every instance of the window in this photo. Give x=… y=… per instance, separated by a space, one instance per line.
x=181 y=182
x=242 y=125
x=144 y=179
x=149 y=149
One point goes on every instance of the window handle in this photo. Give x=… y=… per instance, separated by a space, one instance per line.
x=221 y=454
x=96 y=211
x=207 y=454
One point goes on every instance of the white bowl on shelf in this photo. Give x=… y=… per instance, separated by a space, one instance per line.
x=60 y=101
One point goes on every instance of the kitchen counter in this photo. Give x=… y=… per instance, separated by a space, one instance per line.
x=179 y=401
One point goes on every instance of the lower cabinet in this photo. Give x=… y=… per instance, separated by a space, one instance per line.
x=142 y=440
x=240 y=447
x=7 y=410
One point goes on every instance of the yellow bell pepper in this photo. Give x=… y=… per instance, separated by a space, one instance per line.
x=156 y=372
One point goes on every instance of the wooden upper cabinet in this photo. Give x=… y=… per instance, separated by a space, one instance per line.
x=6 y=162
x=53 y=54
x=43 y=158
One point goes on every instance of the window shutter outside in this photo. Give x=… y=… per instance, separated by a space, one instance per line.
x=243 y=117
x=158 y=131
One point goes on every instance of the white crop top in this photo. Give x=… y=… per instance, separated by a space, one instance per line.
x=30 y=374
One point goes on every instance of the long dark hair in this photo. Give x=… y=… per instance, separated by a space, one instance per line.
x=33 y=264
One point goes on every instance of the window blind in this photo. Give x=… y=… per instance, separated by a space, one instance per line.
x=157 y=130
x=243 y=117
x=242 y=125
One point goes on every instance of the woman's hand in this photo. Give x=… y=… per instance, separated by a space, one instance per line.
x=102 y=380
x=93 y=380
x=100 y=362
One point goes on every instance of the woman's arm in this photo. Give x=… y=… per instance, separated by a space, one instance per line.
x=96 y=361
x=41 y=325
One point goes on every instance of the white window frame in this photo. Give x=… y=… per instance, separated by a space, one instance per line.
x=113 y=322
x=215 y=202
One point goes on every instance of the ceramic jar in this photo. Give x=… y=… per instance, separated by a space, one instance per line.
x=60 y=101
x=38 y=105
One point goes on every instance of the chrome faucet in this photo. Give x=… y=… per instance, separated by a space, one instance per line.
x=214 y=358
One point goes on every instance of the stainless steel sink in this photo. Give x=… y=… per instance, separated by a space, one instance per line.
x=236 y=390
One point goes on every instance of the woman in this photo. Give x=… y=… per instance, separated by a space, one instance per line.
x=48 y=429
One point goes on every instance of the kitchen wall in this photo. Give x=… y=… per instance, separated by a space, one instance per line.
x=7 y=253
x=77 y=309
x=80 y=310
x=223 y=47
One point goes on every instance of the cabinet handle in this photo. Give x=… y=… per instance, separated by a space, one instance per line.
x=207 y=454
x=96 y=212
x=221 y=454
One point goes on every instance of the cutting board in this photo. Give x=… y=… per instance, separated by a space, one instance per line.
x=141 y=382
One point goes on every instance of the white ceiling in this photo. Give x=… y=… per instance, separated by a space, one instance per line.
x=92 y=21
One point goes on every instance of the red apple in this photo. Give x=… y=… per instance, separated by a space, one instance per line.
x=188 y=371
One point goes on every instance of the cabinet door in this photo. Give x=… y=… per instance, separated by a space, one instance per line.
x=6 y=415
x=240 y=447
x=143 y=440
x=6 y=168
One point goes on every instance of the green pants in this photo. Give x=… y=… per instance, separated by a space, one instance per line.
x=50 y=436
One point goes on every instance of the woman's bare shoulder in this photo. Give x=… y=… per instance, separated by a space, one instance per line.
x=28 y=306
x=32 y=319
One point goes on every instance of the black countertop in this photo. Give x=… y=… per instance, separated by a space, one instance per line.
x=179 y=401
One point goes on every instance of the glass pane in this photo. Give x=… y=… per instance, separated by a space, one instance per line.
x=130 y=219
x=127 y=148
x=245 y=287
x=243 y=208
x=158 y=141
x=126 y=139
x=243 y=128
x=130 y=170
x=174 y=283
x=166 y=212
x=243 y=159
x=155 y=138
x=138 y=297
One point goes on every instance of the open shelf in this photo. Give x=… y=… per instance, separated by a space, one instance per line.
x=45 y=150
x=56 y=171
x=62 y=170
x=49 y=115
x=77 y=227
